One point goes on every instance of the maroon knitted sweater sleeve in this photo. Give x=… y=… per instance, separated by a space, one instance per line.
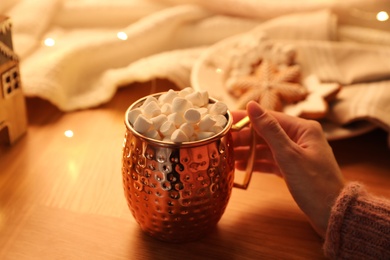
x=359 y=226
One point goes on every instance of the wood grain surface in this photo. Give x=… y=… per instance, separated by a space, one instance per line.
x=62 y=198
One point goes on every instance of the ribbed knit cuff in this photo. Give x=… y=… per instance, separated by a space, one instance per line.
x=359 y=226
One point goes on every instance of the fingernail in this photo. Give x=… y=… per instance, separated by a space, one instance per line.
x=254 y=109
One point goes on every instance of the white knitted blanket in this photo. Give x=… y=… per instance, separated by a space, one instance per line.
x=88 y=62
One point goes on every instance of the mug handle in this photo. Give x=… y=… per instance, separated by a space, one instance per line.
x=249 y=167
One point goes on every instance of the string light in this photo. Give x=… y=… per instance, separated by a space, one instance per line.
x=122 y=36
x=68 y=133
x=382 y=16
x=49 y=42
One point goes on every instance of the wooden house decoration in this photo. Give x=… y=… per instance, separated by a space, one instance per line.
x=13 y=118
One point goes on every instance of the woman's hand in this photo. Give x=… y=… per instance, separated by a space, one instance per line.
x=297 y=150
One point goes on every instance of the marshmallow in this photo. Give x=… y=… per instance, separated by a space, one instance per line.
x=159 y=120
x=195 y=98
x=167 y=97
x=203 y=111
x=166 y=109
x=148 y=100
x=167 y=128
x=205 y=97
x=180 y=105
x=152 y=109
x=206 y=123
x=167 y=139
x=187 y=128
x=152 y=133
x=192 y=115
x=180 y=116
x=216 y=129
x=218 y=108
x=178 y=136
x=133 y=115
x=204 y=135
x=176 y=118
x=220 y=120
x=184 y=92
x=142 y=124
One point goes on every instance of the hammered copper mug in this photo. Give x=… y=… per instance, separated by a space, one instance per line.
x=178 y=192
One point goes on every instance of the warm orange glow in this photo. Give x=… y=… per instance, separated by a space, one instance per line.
x=122 y=36
x=68 y=133
x=382 y=16
x=49 y=42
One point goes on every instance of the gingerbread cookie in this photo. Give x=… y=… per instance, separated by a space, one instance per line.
x=271 y=85
x=315 y=105
x=246 y=59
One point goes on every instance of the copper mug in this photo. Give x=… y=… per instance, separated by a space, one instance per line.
x=178 y=192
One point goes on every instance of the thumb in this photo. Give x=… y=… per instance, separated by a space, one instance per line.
x=267 y=127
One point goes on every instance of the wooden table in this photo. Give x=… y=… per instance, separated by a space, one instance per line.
x=62 y=198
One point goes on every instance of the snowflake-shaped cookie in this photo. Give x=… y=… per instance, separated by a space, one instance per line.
x=271 y=85
x=246 y=59
x=315 y=105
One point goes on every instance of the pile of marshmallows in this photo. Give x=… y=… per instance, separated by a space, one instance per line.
x=178 y=117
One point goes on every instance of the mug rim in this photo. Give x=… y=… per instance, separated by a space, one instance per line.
x=210 y=139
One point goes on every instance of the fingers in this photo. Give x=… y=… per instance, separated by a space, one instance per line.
x=244 y=137
x=238 y=115
x=264 y=161
x=262 y=167
x=262 y=153
x=296 y=127
x=268 y=127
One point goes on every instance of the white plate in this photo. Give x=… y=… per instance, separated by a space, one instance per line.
x=208 y=75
